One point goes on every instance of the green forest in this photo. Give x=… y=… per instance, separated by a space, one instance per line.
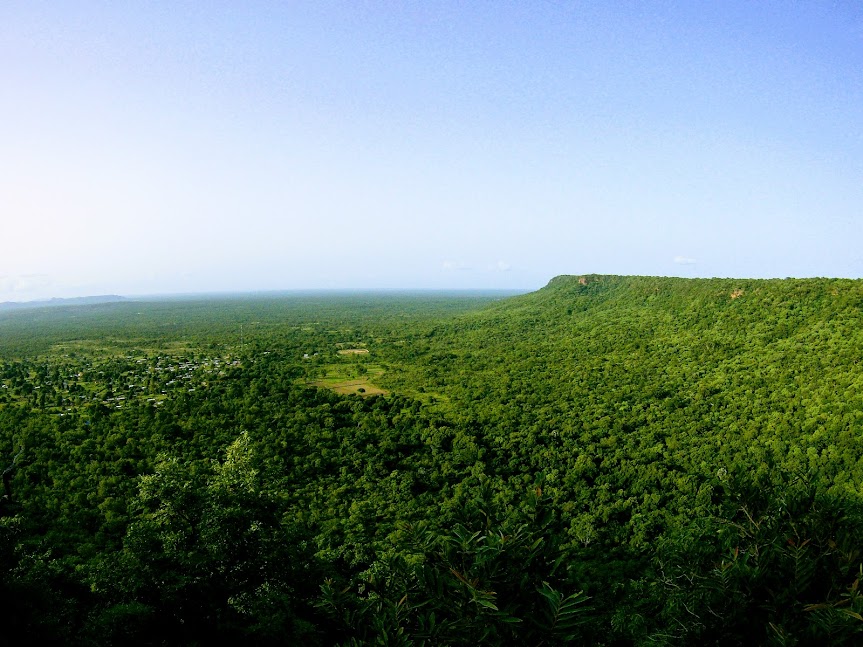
x=608 y=460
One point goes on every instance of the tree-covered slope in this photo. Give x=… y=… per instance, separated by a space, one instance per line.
x=707 y=374
x=655 y=406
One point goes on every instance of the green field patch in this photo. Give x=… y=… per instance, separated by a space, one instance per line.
x=360 y=387
x=349 y=378
x=350 y=345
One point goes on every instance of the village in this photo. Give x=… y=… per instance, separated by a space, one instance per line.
x=113 y=381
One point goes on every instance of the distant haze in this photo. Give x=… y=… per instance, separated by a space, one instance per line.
x=167 y=147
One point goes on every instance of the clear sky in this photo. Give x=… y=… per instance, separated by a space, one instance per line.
x=157 y=147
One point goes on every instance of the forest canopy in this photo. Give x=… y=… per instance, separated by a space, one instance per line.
x=607 y=460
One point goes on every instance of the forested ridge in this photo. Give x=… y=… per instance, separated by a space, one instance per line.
x=607 y=460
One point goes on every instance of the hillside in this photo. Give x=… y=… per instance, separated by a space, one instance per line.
x=648 y=404
x=607 y=460
x=772 y=362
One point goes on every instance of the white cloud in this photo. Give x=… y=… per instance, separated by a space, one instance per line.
x=26 y=287
x=502 y=266
x=24 y=283
x=683 y=260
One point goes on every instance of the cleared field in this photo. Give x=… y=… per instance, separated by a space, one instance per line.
x=360 y=387
x=353 y=351
x=349 y=378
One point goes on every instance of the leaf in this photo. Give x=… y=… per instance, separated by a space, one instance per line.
x=485 y=602
x=564 y=612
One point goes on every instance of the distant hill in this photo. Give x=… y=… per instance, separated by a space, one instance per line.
x=55 y=302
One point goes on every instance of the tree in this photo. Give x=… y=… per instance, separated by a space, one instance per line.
x=208 y=557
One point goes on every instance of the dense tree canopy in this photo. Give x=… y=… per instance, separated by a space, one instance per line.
x=610 y=460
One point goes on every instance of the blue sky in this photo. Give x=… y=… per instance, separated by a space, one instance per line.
x=187 y=146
